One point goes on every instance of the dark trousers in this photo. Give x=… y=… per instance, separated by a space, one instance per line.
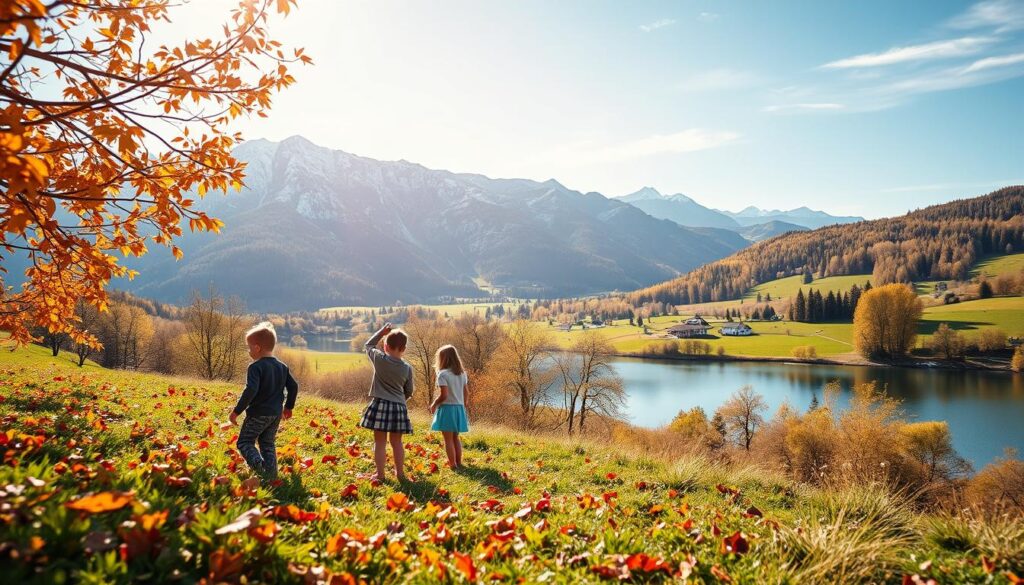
x=261 y=430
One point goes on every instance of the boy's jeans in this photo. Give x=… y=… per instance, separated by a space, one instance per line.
x=262 y=430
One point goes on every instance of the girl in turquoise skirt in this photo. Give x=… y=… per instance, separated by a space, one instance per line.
x=449 y=408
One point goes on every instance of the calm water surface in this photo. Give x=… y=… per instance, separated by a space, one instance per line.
x=985 y=410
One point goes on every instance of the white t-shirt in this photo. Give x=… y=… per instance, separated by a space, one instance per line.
x=456 y=386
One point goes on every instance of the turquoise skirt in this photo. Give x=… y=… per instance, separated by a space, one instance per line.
x=450 y=418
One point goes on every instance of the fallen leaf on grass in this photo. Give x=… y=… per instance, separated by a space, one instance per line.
x=102 y=502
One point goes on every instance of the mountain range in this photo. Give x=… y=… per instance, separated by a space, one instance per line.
x=685 y=211
x=315 y=227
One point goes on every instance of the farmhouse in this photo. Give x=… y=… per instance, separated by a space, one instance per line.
x=694 y=327
x=738 y=329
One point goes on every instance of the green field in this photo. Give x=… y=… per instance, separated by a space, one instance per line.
x=1006 y=313
x=119 y=477
x=326 y=361
x=778 y=338
x=995 y=265
x=785 y=288
x=774 y=338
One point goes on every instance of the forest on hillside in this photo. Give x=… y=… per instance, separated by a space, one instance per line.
x=940 y=242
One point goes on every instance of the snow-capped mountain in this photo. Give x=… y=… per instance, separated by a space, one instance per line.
x=316 y=227
x=679 y=208
x=802 y=216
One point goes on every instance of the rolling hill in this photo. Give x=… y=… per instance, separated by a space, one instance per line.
x=316 y=227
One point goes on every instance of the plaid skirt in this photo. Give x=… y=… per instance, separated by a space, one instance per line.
x=385 y=415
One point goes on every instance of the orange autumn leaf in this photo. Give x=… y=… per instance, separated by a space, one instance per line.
x=399 y=502
x=265 y=532
x=224 y=565
x=464 y=564
x=102 y=502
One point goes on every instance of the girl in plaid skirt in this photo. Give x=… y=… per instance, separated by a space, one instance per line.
x=387 y=415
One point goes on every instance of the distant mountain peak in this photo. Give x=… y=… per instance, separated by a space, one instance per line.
x=646 y=193
x=680 y=198
x=801 y=216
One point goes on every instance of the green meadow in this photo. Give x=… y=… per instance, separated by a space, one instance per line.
x=118 y=477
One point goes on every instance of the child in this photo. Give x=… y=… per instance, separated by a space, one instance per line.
x=449 y=408
x=387 y=415
x=266 y=381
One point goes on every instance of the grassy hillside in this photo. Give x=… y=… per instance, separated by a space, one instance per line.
x=114 y=477
x=1006 y=313
x=996 y=265
x=785 y=288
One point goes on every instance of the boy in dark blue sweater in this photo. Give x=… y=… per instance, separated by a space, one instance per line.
x=265 y=384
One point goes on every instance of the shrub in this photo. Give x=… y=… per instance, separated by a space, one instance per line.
x=999 y=486
x=948 y=343
x=805 y=352
x=991 y=340
x=1017 y=363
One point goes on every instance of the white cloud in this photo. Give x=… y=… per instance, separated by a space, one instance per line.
x=657 y=24
x=689 y=140
x=1002 y=15
x=719 y=80
x=707 y=16
x=813 y=106
x=936 y=50
x=991 y=62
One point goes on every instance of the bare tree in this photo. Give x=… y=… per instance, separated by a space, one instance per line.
x=214 y=328
x=88 y=321
x=477 y=339
x=426 y=336
x=125 y=331
x=590 y=383
x=523 y=364
x=742 y=415
x=166 y=348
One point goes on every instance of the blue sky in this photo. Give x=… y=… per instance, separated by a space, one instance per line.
x=868 y=108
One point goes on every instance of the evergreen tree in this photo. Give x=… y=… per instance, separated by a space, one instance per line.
x=639 y=321
x=800 y=307
x=756 y=315
x=985 y=290
x=807 y=276
x=814 y=403
x=768 y=297
x=758 y=297
x=831 y=313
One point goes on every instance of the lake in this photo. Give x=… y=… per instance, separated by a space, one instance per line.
x=985 y=410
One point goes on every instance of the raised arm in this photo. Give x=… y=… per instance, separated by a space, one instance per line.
x=371 y=343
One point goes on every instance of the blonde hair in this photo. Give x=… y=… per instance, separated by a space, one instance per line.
x=447 y=358
x=263 y=335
